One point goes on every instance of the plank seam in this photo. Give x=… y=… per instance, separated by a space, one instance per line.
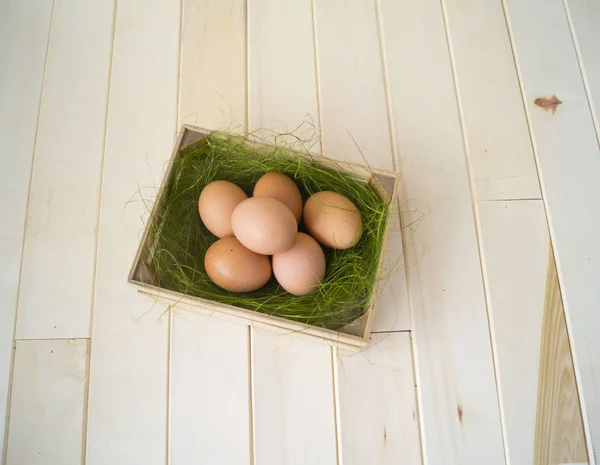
x=586 y=425
x=588 y=92
x=247 y=96
x=179 y=66
x=169 y=365
x=86 y=396
x=28 y=201
x=252 y=440
x=246 y=68
x=317 y=74
x=477 y=225
x=334 y=354
x=386 y=86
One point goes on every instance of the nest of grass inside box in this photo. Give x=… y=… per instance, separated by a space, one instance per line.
x=180 y=240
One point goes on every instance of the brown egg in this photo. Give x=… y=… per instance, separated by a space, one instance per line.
x=216 y=204
x=279 y=186
x=264 y=225
x=233 y=267
x=333 y=220
x=301 y=268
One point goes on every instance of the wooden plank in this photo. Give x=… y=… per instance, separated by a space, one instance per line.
x=282 y=84
x=293 y=395
x=351 y=86
x=503 y=167
x=63 y=205
x=24 y=29
x=539 y=396
x=584 y=21
x=460 y=420
x=213 y=64
x=559 y=427
x=48 y=402
x=568 y=159
x=128 y=385
x=210 y=420
x=379 y=420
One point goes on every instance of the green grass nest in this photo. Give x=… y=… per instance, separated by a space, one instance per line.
x=180 y=240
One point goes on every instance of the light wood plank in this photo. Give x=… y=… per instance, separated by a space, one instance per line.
x=522 y=289
x=128 y=385
x=48 y=403
x=24 y=29
x=500 y=151
x=559 y=427
x=460 y=419
x=568 y=160
x=294 y=418
x=282 y=82
x=210 y=391
x=585 y=28
x=379 y=420
x=63 y=207
x=351 y=86
x=213 y=64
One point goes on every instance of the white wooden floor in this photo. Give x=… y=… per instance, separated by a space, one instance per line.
x=470 y=362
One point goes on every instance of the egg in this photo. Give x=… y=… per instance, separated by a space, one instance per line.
x=264 y=225
x=333 y=220
x=279 y=186
x=216 y=204
x=301 y=268
x=233 y=267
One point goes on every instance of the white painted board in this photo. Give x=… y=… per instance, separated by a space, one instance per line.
x=48 y=402
x=569 y=160
x=497 y=135
x=63 y=206
x=127 y=421
x=455 y=376
x=379 y=418
x=24 y=28
x=209 y=396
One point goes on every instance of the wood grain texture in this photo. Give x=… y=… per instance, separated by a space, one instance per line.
x=213 y=64
x=210 y=418
x=515 y=244
x=568 y=161
x=559 y=435
x=351 y=85
x=24 y=29
x=48 y=403
x=293 y=395
x=460 y=419
x=63 y=205
x=129 y=366
x=282 y=81
x=379 y=420
x=497 y=136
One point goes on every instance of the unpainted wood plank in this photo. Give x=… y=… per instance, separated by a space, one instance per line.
x=48 y=402
x=497 y=136
x=24 y=29
x=63 y=205
x=213 y=64
x=568 y=161
x=282 y=81
x=354 y=116
x=559 y=434
x=584 y=17
x=455 y=375
x=129 y=366
x=379 y=419
x=210 y=397
x=293 y=395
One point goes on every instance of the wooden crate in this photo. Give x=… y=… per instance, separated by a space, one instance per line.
x=353 y=335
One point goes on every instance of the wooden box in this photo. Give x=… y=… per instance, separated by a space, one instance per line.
x=355 y=334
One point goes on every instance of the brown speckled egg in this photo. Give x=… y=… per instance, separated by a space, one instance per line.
x=233 y=267
x=301 y=268
x=333 y=220
x=216 y=204
x=280 y=187
x=264 y=225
